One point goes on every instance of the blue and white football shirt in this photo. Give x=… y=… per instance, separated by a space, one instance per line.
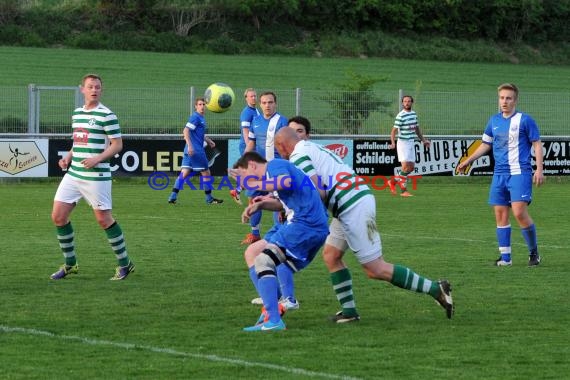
x=246 y=117
x=511 y=140
x=263 y=132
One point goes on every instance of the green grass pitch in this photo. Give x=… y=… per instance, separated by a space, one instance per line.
x=180 y=315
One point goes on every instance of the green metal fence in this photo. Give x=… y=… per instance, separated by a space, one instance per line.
x=43 y=109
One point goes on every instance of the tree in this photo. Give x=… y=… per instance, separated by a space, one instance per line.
x=185 y=15
x=355 y=101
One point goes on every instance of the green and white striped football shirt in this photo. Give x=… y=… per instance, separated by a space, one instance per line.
x=342 y=190
x=92 y=130
x=406 y=122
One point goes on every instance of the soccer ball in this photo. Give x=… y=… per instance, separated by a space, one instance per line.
x=219 y=97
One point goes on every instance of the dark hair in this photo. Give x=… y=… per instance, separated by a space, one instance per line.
x=408 y=96
x=303 y=121
x=247 y=157
x=91 y=76
x=269 y=93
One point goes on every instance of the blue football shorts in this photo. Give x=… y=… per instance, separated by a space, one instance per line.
x=197 y=162
x=301 y=242
x=507 y=188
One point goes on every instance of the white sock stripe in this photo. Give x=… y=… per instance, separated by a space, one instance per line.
x=349 y=305
x=116 y=239
x=415 y=281
x=505 y=250
x=68 y=236
x=66 y=245
x=69 y=254
x=122 y=255
x=427 y=286
x=342 y=284
x=344 y=294
x=118 y=247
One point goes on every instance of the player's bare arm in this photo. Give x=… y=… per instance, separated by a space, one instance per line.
x=268 y=203
x=250 y=146
x=65 y=161
x=480 y=151
x=245 y=133
x=210 y=142
x=538 y=177
x=424 y=141
x=188 y=141
x=393 y=138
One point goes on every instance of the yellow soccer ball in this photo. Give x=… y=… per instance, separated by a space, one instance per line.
x=219 y=97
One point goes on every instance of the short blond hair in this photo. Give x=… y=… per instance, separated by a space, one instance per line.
x=250 y=89
x=509 y=86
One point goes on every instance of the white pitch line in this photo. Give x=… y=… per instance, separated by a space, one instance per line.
x=169 y=351
x=470 y=240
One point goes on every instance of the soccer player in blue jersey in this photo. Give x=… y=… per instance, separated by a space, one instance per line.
x=297 y=241
x=249 y=112
x=194 y=154
x=261 y=140
x=511 y=134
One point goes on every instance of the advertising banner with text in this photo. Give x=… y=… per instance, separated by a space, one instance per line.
x=23 y=158
x=39 y=157
x=142 y=157
x=374 y=157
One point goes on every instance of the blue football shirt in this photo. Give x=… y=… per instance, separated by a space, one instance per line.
x=263 y=132
x=246 y=117
x=303 y=198
x=511 y=139
x=197 y=125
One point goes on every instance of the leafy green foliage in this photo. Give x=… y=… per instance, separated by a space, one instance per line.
x=331 y=28
x=355 y=101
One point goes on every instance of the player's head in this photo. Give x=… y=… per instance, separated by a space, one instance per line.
x=251 y=163
x=285 y=141
x=301 y=125
x=92 y=77
x=200 y=105
x=268 y=103
x=250 y=96
x=407 y=102
x=508 y=97
x=91 y=88
x=509 y=86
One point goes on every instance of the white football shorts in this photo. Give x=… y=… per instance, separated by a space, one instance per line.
x=96 y=193
x=356 y=229
x=406 y=150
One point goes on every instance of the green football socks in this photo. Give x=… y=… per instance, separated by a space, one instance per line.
x=117 y=241
x=342 y=285
x=405 y=278
x=65 y=237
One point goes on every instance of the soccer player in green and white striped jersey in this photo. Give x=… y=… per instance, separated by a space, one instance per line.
x=353 y=207
x=96 y=138
x=407 y=127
